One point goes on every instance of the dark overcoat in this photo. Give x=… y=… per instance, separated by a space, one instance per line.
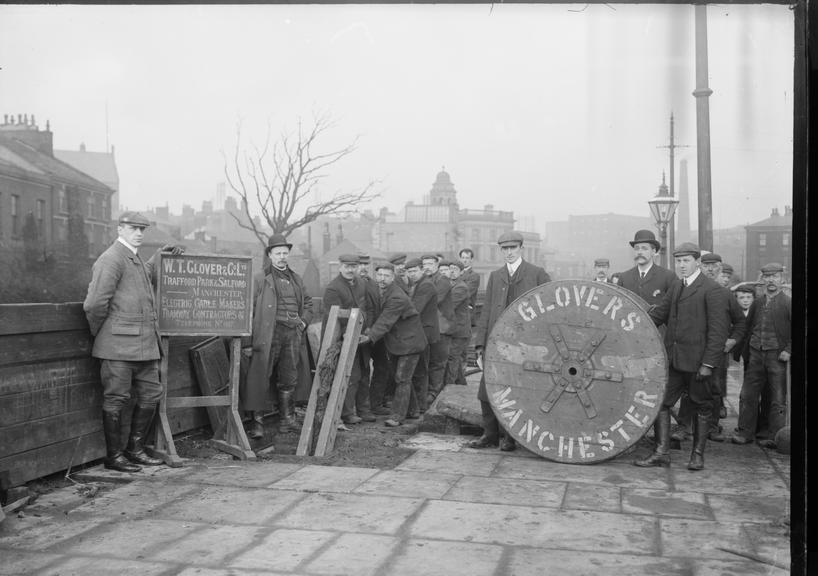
x=398 y=324
x=424 y=299
x=697 y=324
x=254 y=395
x=472 y=280
x=653 y=287
x=461 y=326
x=120 y=306
x=339 y=292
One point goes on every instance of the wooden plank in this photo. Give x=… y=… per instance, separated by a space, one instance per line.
x=53 y=458
x=212 y=369
x=232 y=438
x=31 y=318
x=31 y=348
x=308 y=428
x=33 y=434
x=28 y=406
x=329 y=428
x=19 y=378
x=198 y=402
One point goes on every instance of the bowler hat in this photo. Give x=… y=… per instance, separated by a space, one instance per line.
x=647 y=237
x=602 y=262
x=772 y=268
x=384 y=266
x=278 y=240
x=348 y=258
x=413 y=263
x=687 y=248
x=510 y=237
x=710 y=258
x=134 y=219
x=398 y=259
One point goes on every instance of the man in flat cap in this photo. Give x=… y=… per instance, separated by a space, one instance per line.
x=505 y=285
x=399 y=262
x=439 y=349
x=767 y=344
x=697 y=327
x=424 y=298
x=647 y=279
x=398 y=325
x=282 y=310
x=459 y=331
x=347 y=291
x=601 y=268
x=472 y=280
x=711 y=266
x=726 y=275
x=121 y=313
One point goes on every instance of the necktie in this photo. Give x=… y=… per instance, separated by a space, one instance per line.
x=642 y=275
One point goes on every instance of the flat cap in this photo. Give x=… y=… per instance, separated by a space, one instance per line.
x=428 y=257
x=602 y=262
x=363 y=258
x=456 y=263
x=745 y=287
x=134 y=219
x=348 y=259
x=414 y=263
x=384 y=266
x=726 y=268
x=710 y=258
x=398 y=259
x=511 y=237
x=687 y=248
x=445 y=262
x=772 y=268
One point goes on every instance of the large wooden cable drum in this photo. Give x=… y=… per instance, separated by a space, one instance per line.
x=576 y=370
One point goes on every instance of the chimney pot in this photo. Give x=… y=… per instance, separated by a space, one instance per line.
x=33 y=123
x=25 y=119
x=82 y=146
x=19 y=118
x=5 y=118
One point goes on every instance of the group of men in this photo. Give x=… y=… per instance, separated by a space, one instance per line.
x=418 y=316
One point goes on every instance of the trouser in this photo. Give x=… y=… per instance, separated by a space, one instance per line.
x=381 y=374
x=120 y=377
x=284 y=355
x=404 y=368
x=454 y=364
x=464 y=364
x=699 y=391
x=438 y=354
x=718 y=385
x=357 y=395
x=764 y=368
x=420 y=379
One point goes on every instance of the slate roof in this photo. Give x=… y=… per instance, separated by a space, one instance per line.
x=99 y=165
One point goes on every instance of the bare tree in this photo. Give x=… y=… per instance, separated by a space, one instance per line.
x=280 y=180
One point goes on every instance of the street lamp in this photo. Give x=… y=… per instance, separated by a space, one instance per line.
x=663 y=207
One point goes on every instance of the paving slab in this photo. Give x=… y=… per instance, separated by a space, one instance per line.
x=283 y=550
x=354 y=555
x=231 y=505
x=662 y=503
x=502 y=491
x=79 y=566
x=127 y=500
x=529 y=526
x=210 y=545
x=41 y=533
x=351 y=513
x=325 y=478
x=408 y=483
x=746 y=482
x=770 y=541
x=679 y=537
x=621 y=474
x=480 y=464
x=449 y=558
x=601 y=497
x=100 y=473
x=256 y=474
x=730 y=508
x=430 y=441
x=201 y=571
x=16 y=562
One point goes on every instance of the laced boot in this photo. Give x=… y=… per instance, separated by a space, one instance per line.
x=114 y=460
x=491 y=431
x=140 y=423
x=661 y=455
x=700 y=429
x=285 y=411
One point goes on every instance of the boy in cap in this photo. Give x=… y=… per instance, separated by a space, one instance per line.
x=282 y=310
x=505 y=285
x=694 y=312
x=122 y=316
x=424 y=298
x=768 y=346
x=439 y=349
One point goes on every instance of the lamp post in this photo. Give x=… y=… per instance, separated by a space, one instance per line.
x=663 y=207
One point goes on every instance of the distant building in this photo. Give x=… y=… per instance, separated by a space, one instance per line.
x=34 y=181
x=98 y=165
x=770 y=240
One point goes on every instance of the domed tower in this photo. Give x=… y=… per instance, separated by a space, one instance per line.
x=443 y=192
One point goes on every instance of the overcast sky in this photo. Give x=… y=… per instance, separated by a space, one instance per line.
x=547 y=110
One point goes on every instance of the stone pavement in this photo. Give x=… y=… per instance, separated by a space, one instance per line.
x=445 y=510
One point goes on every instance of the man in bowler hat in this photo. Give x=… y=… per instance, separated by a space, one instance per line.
x=122 y=316
x=647 y=279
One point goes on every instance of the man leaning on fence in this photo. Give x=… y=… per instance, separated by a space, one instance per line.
x=121 y=313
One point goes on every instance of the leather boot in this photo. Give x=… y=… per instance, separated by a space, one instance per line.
x=508 y=444
x=140 y=423
x=256 y=428
x=491 y=431
x=661 y=455
x=700 y=429
x=114 y=460
x=285 y=411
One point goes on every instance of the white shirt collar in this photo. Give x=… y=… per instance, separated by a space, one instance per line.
x=131 y=248
x=646 y=270
x=692 y=278
x=512 y=268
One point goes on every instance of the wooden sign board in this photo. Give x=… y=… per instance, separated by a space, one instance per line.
x=205 y=295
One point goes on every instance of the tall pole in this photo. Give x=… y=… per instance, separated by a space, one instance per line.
x=702 y=95
x=671 y=236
